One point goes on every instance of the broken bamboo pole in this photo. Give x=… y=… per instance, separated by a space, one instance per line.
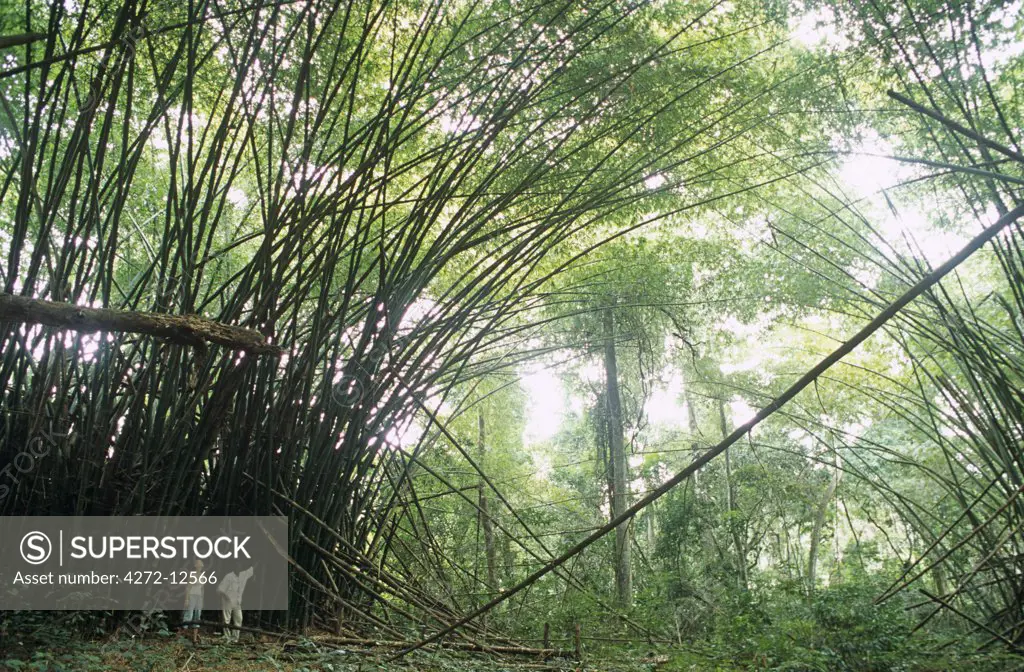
x=190 y=330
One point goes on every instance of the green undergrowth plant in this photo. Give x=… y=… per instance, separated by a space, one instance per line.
x=839 y=628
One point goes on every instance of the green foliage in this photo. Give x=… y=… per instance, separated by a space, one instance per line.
x=840 y=628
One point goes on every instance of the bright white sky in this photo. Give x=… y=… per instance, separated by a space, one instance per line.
x=545 y=407
x=866 y=173
x=549 y=402
x=817 y=29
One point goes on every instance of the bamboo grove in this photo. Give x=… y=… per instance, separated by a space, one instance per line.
x=330 y=226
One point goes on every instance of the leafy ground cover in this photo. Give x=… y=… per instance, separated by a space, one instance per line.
x=171 y=653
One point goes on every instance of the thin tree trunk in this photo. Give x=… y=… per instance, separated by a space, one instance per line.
x=739 y=547
x=691 y=426
x=620 y=479
x=485 y=517
x=819 y=522
x=650 y=529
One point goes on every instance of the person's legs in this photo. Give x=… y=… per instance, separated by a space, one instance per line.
x=194 y=614
x=232 y=616
x=190 y=620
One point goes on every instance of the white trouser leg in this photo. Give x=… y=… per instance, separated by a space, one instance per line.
x=236 y=620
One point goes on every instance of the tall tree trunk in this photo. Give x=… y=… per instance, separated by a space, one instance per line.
x=691 y=427
x=650 y=529
x=819 y=522
x=620 y=475
x=488 y=528
x=485 y=516
x=738 y=539
x=604 y=468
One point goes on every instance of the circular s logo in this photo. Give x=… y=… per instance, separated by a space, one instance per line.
x=348 y=391
x=36 y=548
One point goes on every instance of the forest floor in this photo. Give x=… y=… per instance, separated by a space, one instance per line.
x=48 y=650
x=177 y=654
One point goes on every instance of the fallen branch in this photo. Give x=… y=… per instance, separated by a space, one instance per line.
x=504 y=649
x=185 y=329
x=460 y=646
x=8 y=41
